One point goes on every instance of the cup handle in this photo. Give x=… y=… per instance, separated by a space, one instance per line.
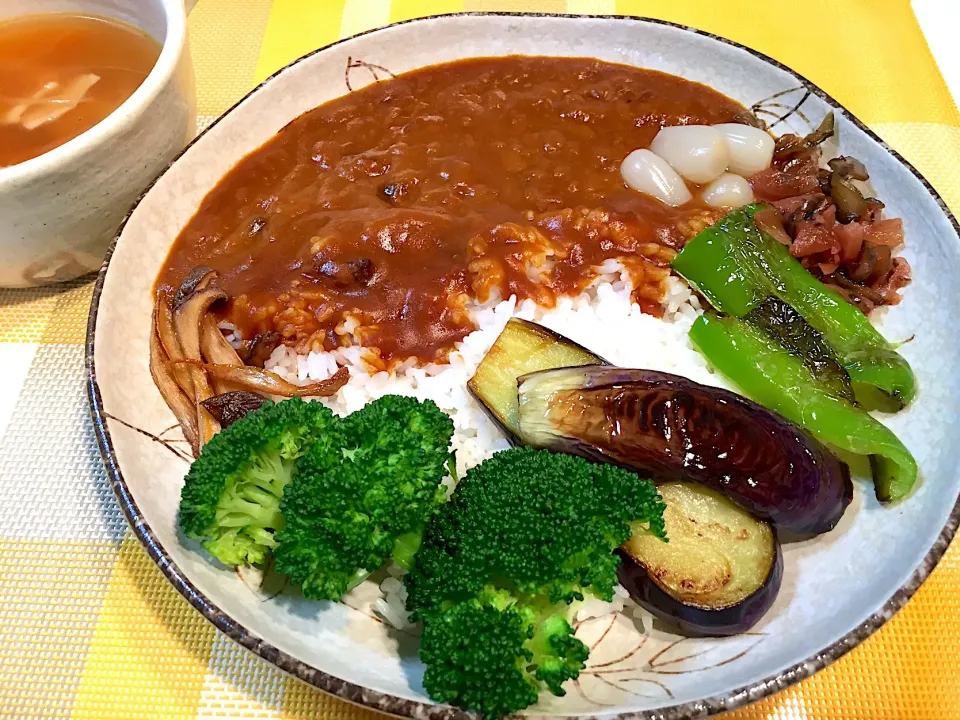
x=189 y=5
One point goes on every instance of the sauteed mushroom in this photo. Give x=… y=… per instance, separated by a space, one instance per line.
x=187 y=319
x=230 y=407
x=201 y=376
x=167 y=334
x=181 y=406
x=270 y=383
x=215 y=349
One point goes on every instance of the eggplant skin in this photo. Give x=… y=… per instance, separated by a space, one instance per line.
x=691 y=619
x=671 y=428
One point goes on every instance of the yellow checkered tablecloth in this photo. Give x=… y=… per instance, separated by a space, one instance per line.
x=88 y=626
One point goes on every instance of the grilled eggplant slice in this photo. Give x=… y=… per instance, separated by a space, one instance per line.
x=523 y=347
x=671 y=428
x=720 y=571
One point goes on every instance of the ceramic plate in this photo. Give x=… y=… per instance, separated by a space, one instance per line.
x=837 y=588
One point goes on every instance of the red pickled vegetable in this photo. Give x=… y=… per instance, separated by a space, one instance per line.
x=886 y=232
x=850 y=237
x=774 y=184
x=813 y=238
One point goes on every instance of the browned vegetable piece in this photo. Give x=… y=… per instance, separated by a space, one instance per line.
x=787 y=146
x=215 y=349
x=719 y=573
x=823 y=178
x=261 y=348
x=849 y=167
x=850 y=203
x=214 y=346
x=180 y=405
x=874 y=262
x=232 y=406
x=264 y=381
x=790 y=146
x=522 y=347
x=167 y=333
x=187 y=319
x=823 y=132
x=874 y=209
x=771 y=222
x=208 y=426
x=197 y=279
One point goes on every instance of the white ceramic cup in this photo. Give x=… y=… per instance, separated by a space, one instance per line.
x=59 y=211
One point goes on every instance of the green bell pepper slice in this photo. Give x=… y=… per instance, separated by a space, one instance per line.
x=737 y=266
x=778 y=380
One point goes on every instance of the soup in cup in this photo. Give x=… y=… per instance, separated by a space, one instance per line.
x=96 y=97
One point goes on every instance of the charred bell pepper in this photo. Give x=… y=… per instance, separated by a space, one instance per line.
x=783 y=324
x=768 y=373
x=738 y=267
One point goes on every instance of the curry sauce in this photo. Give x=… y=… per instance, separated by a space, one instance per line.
x=379 y=217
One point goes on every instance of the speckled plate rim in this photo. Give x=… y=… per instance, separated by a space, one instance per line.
x=391 y=704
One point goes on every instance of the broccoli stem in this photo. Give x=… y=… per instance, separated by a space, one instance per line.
x=556 y=653
x=406 y=547
x=248 y=513
x=358 y=577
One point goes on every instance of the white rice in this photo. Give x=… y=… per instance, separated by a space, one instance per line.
x=230 y=333
x=603 y=319
x=391 y=607
x=594 y=607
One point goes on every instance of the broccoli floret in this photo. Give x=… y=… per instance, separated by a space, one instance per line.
x=231 y=495
x=557 y=654
x=355 y=504
x=476 y=658
x=525 y=534
x=479 y=653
